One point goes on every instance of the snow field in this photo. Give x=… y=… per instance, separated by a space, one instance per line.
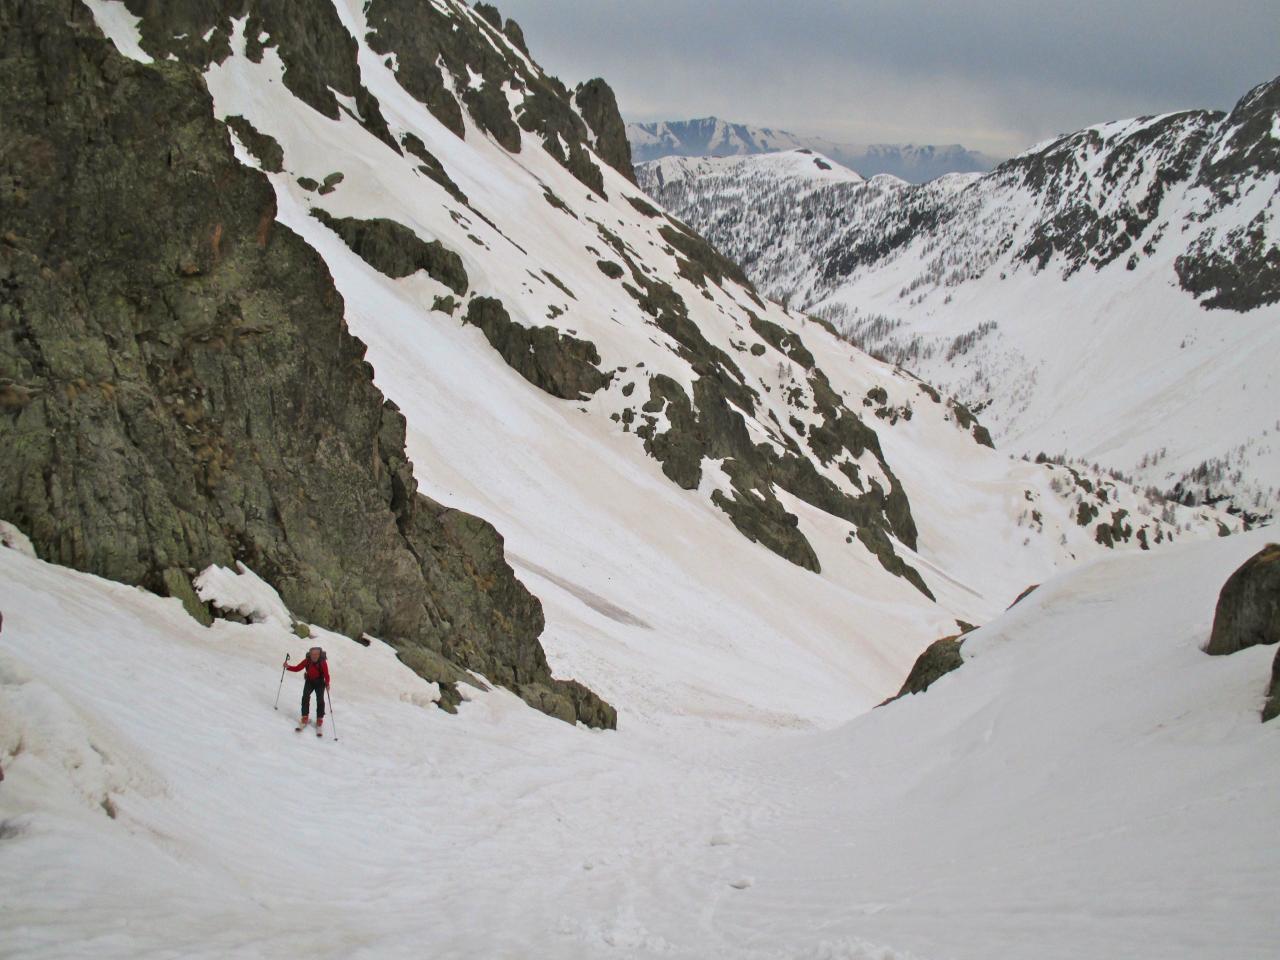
x=1089 y=784
x=156 y=805
x=576 y=496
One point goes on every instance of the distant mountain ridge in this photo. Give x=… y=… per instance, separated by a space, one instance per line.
x=713 y=137
x=1111 y=294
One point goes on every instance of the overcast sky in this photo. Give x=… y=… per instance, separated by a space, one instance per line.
x=995 y=75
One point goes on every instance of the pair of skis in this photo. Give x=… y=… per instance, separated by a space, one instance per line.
x=299 y=727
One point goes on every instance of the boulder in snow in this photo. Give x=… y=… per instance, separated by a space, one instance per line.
x=1248 y=611
x=242 y=594
x=1248 y=614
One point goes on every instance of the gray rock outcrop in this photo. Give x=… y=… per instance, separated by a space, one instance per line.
x=1248 y=615
x=939 y=658
x=1248 y=611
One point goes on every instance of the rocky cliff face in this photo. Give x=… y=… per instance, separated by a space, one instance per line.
x=450 y=64
x=596 y=102
x=439 y=55
x=1237 y=265
x=177 y=384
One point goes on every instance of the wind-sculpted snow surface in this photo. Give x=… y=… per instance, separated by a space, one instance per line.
x=1113 y=294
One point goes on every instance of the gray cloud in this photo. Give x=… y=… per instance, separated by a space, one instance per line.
x=992 y=74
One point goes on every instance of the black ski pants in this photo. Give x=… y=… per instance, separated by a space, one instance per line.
x=318 y=686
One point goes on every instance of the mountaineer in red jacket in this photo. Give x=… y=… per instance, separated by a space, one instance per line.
x=316 y=679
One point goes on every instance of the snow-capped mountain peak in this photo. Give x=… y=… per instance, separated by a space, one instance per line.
x=712 y=137
x=800 y=165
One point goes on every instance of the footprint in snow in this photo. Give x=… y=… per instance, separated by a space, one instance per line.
x=742 y=883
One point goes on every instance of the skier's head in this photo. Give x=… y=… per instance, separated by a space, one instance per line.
x=313 y=654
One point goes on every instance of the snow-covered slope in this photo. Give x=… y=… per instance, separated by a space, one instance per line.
x=675 y=464
x=1088 y=784
x=799 y=167
x=699 y=417
x=1113 y=295
x=712 y=137
x=782 y=223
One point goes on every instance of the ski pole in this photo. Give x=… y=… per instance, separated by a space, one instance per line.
x=331 y=716
x=281 y=687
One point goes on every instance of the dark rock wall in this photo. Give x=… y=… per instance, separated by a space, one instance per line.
x=178 y=385
x=557 y=363
x=396 y=251
x=599 y=107
x=438 y=54
x=319 y=55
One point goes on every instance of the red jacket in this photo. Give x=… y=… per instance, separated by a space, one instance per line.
x=314 y=670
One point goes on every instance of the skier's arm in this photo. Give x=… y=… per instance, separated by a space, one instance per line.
x=297 y=666
x=324 y=665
